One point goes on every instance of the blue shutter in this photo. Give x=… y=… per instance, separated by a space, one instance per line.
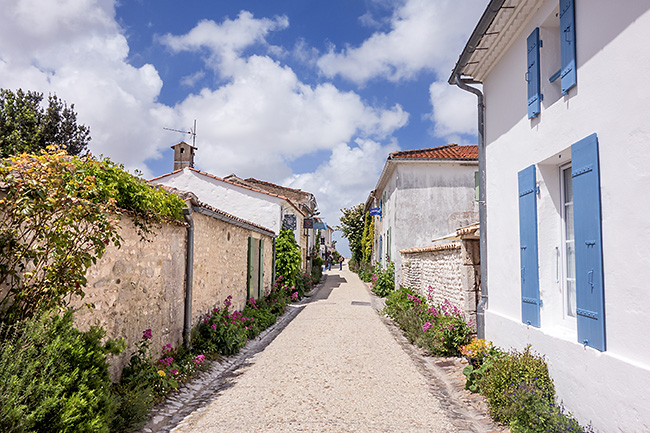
x=532 y=74
x=530 y=301
x=590 y=300
x=568 y=45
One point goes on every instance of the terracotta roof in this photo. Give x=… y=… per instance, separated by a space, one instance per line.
x=217 y=213
x=448 y=152
x=241 y=185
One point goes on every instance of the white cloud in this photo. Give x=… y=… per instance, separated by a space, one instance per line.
x=346 y=179
x=74 y=48
x=266 y=117
x=192 y=79
x=424 y=35
x=226 y=41
x=454 y=112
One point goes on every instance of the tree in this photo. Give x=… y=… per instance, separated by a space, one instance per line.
x=352 y=229
x=25 y=126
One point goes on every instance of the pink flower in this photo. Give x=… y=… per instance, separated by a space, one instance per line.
x=426 y=326
x=213 y=326
x=294 y=296
x=174 y=371
x=199 y=359
x=147 y=334
x=167 y=348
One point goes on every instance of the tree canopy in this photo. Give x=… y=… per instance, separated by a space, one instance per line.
x=27 y=126
x=352 y=226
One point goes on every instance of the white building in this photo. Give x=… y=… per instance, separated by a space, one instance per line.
x=422 y=195
x=252 y=204
x=567 y=157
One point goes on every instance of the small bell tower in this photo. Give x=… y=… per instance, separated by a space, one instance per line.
x=183 y=155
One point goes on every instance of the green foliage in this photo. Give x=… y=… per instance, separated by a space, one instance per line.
x=479 y=367
x=439 y=329
x=54 y=377
x=368 y=239
x=25 y=126
x=287 y=257
x=531 y=412
x=113 y=186
x=50 y=233
x=510 y=371
x=56 y=220
x=352 y=225
x=383 y=282
x=220 y=332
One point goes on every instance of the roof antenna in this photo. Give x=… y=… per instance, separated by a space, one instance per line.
x=191 y=132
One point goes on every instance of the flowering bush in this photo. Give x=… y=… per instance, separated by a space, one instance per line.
x=478 y=348
x=440 y=329
x=383 y=281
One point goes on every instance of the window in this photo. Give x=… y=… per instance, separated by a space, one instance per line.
x=568 y=244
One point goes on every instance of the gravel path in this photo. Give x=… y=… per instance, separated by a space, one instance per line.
x=335 y=368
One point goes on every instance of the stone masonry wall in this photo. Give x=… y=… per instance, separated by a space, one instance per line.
x=136 y=287
x=142 y=284
x=452 y=271
x=221 y=264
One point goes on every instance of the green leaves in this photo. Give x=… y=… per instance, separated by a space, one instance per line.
x=352 y=225
x=58 y=214
x=287 y=253
x=25 y=126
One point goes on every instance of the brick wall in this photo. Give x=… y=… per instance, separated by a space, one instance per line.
x=451 y=270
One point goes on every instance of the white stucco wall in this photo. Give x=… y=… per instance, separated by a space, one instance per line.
x=425 y=200
x=609 y=388
x=252 y=206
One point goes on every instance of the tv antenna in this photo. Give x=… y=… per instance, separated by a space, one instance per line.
x=191 y=132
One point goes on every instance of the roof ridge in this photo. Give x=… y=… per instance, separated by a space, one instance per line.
x=446 y=146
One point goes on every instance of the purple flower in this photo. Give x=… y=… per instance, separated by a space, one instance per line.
x=147 y=335
x=167 y=348
x=199 y=359
x=426 y=326
x=227 y=303
x=173 y=371
x=213 y=326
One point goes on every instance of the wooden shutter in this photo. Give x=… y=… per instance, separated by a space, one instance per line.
x=532 y=74
x=590 y=301
x=568 y=45
x=530 y=301
x=251 y=267
x=260 y=287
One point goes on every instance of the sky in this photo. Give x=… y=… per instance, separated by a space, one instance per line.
x=310 y=94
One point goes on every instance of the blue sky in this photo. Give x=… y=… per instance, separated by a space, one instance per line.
x=310 y=94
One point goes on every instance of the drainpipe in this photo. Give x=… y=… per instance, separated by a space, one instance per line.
x=482 y=215
x=189 y=265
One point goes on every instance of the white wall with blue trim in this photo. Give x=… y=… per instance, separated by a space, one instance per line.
x=604 y=382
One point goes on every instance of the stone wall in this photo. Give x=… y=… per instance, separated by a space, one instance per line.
x=451 y=270
x=136 y=287
x=142 y=284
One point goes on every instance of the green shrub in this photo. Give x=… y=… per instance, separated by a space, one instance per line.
x=511 y=371
x=54 y=378
x=384 y=281
x=220 y=332
x=287 y=257
x=440 y=330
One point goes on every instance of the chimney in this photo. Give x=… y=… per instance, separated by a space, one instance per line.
x=183 y=155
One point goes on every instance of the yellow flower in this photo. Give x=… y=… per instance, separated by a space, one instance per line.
x=161 y=373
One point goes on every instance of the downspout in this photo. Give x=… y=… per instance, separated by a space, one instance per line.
x=189 y=268
x=482 y=215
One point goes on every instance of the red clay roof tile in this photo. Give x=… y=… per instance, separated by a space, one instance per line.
x=449 y=151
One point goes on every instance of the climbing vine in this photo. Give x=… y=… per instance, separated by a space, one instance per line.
x=287 y=261
x=58 y=213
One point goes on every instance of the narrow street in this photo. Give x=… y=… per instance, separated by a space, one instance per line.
x=336 y=367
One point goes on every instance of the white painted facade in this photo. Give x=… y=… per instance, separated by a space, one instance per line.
x=608 y=388
x=420 y=201
x=261 y=208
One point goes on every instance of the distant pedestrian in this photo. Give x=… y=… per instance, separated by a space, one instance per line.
x=340 y=263
x=329 y=262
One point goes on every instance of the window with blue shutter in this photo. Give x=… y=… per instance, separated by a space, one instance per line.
x=590 y=302
x=530 y=300
x=532 y=74
x=568 y=45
